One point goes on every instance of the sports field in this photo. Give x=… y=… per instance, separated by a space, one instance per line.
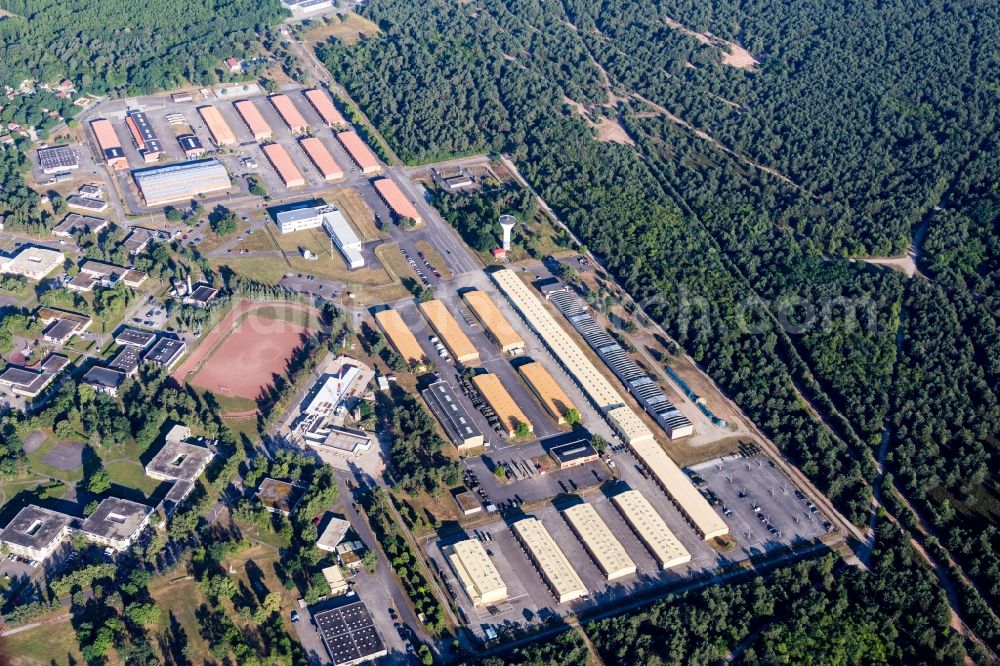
x=246 y=363
x=239 y=358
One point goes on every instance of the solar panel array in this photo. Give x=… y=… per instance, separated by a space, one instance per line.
x=349 y=633
x=639 y=384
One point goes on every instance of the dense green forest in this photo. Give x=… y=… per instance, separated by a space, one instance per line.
x=129 y=46
x=811 y=612
x=745 y=192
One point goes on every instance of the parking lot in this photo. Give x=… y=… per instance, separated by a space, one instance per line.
x=742 y=486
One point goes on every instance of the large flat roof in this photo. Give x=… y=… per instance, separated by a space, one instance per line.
x=597 y=388
x=452 y=336
x=184 y=180
x=399 y=336
x=348 y=632
x=476 y=571
x=607 y=551
x=493 y=321
x=499 y=399
x=179 y=461
x=102 y=377
x=165 y=352
x=451 y=413
x=58 y=158
x=135 y=338
x=32 y=262
x=557 y=571
x=678 y=486
x=551 y=395
x=127 y=359
x=650 y=528
x=279 y=495
x=116 y=518
x=35 y=527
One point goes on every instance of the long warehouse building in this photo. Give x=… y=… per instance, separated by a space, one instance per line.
x=343 y=236
x=359 y=152
x=649 y=527
x=695 y=508
x=396 y=200
x=510 y=415
x=452 y=415
x=590 y=380
x=457 y=342
x=325 y=108
x=222 y=133
x=600 y=392
x=144 y=135
x=321 y=158
x=289 y=113
x=283 y=165
x=550 y=561
x=476 y=571
x=255 y=122
x=607 y=552
x=399 y=336
x=497 y=328
x=182 y=181
x=549 y=393
x=110 y=144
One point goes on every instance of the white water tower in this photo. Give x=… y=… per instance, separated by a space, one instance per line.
x=507 y=222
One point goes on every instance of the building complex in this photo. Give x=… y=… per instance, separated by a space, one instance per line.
x=610 y=403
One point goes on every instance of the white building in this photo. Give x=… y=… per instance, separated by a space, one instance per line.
x=299 y=219
x=33 y=263
x=333 y=222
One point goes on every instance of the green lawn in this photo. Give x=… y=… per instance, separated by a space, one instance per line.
x=182 y=599
x=48 y=645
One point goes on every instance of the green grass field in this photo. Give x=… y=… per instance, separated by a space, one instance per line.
x=47 y=645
